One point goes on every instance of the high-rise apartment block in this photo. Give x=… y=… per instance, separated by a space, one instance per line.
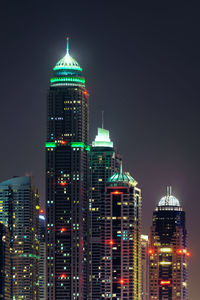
x=5 y=263
x=19 y=205
x=121 y=232
x=104 y=161
x=145 y=267
x=67 y=185
x=168 y=252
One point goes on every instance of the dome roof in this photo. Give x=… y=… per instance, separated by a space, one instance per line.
x=67 y=62
x=122 y=178
x=169 y=200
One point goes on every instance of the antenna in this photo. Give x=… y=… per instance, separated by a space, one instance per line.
x=121 y=168
x=102 y=115
x=67 y=46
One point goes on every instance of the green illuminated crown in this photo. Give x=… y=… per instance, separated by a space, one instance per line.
x=102 y=139
x=67 y=71
x=122 y=178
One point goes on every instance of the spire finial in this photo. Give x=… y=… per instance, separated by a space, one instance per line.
x=102 y=118
x=121 y=168
x=67 y=45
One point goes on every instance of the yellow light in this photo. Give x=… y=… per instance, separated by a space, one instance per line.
x=165 y=263
x=37 y=207
x=166 y=250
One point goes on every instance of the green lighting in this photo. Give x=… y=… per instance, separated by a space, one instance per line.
x=77 y=145
x=30 y=255
x=87 y=147
x=102 y=139
x=67 y=68
x=50 y=145
x=68 y=79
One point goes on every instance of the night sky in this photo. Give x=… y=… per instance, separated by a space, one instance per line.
x=142 y=66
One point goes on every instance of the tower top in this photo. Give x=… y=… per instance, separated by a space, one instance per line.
x=102 y=139
x=67 y=62
x=169 y=199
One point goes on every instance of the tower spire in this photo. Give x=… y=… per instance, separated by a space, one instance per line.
x=67 y=46
x=102 y=118
x=121 y=168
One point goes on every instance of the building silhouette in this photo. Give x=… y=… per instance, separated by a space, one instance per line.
x=19 y=206
x=168 y=252
x=104 y=161
x=67 y=170
x=121 y=232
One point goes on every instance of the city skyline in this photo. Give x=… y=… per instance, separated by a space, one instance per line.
x=159 y=142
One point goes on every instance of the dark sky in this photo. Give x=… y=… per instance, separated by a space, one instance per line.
x=142 y=66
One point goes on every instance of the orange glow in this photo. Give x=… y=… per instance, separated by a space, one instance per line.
x=109 y=242
x=63 y=229
x=165 y=282
x=151 y=251
x=41 y=211
x=122 y=281
x=63 y=142
x=180 y=251
x=63 y=276
x=63 y=183
x=188 y=254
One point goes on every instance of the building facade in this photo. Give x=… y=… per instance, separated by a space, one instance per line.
x=104 y=161
x=145 y=266
x=121 y=232
x=168 y=252
x=42 y=254
x=5 y=263
x=67 y=170
x=19 y=201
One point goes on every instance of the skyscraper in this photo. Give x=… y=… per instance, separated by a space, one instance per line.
x=19 y=201
x=104 y=161
x=67 y=170
x=145 y=267
x=121 y=260
x=5 y=263
x=42 y=254
x=168 y=253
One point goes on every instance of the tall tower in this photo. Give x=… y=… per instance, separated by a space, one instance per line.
x=168 y=253
x=103 y=163
x=145 y=266
x=121 y=232
x=19 y=206
x=5 y=263
x=67 y=168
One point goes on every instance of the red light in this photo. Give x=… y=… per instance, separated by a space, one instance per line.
x=63 y=229
x=122 y=281
x=180 y=251
x=86 y=94
x=165 y=282
x=116 y=192
x=63 y=276
x=151 y=251
x=63 y=142
x=63 y=183
x=188 y=253
x=109 y=242
x=41 y=211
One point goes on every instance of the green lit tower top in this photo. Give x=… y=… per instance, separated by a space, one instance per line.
x=67 y=169
x=67 y=71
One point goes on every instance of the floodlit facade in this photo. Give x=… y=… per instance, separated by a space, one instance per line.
x=121 y=242
x=145 y=267
x=19 y=201
x=104 y=161
x=67 y=170
x=168 y=252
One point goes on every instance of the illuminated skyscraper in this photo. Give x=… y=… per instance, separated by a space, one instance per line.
x=42 y=254
x=121 y=232
x=19 y=213
x=103 y=163
x=168 y=253
x=5 y=263
x=67 y=170
x=145 y=267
